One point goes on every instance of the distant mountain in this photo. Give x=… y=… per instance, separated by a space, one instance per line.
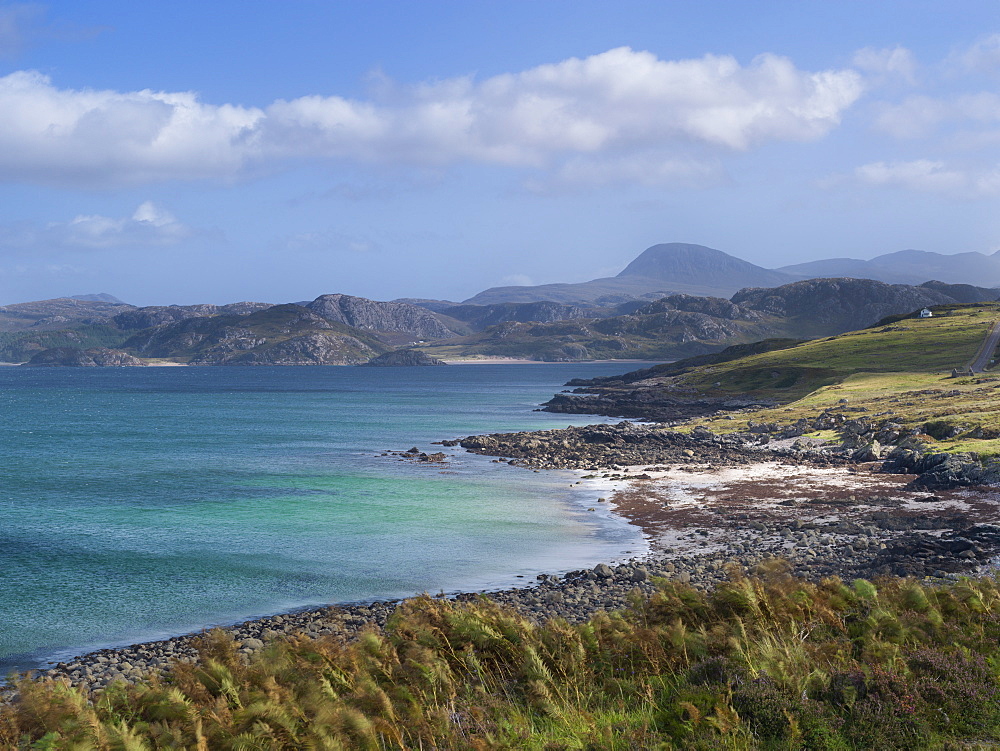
x=661 y=270
x=672 y=268
x=696 y=265
x=907 y=267
x=99 y=297
x=60 y=313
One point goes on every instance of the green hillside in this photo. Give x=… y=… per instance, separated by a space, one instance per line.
x=913 y=345
x=900 y=372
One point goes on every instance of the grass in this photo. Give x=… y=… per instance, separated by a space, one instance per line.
x=898 y=372
x=930 y=345
x=769 y=662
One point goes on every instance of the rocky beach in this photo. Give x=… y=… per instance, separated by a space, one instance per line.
x=712 y=507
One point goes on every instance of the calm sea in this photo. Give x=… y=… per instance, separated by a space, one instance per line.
x=137 y=503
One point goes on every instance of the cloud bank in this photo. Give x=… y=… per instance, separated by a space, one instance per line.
x=608 y=106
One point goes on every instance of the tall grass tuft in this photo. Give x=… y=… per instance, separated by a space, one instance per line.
x=767 y=661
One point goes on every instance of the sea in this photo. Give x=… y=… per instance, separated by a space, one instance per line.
x=141 y=503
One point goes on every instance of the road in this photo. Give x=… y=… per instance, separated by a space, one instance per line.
x=986 y=351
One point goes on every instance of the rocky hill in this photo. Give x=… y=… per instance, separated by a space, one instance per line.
x=75 y=357
x=278 y=335
x=159 y=315
x=402 y=358
x=479 y=317
x=381 y=317
x=59 y=313
x=821 y=307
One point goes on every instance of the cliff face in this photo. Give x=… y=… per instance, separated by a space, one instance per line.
x=389 y=317
x=72 y=357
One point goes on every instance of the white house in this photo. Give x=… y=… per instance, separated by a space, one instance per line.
x=926 y=313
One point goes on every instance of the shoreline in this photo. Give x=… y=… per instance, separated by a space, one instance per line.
x=707 y=506
x=581 y=496
x=700 y=521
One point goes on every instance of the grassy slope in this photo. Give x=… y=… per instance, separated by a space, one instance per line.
x=900 y=372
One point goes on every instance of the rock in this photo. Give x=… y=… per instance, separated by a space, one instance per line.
x=603 y=571
x=640 y=574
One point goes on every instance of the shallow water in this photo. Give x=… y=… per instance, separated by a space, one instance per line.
x=141 y=502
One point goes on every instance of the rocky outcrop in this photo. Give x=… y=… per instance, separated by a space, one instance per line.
x=390 y=317
x=72 y=357
x=402 y=358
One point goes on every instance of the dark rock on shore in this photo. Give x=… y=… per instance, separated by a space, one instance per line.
x=593 y=446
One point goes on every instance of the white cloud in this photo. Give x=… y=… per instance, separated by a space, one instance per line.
x=149 y=226
x=897 y=62
x=928 y=176
x=616 y=102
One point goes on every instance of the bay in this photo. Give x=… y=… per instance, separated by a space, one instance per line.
x=137 y=503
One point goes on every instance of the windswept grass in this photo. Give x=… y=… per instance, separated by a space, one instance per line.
x=770 y=662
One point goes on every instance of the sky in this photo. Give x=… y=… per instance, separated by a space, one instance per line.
x=180 y=152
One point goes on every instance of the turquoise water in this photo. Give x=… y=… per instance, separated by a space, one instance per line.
x=139 y=503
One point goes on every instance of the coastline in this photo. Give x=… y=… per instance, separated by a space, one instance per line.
x=702 y=521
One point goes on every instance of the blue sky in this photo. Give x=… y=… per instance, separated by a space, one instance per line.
x=192 y=152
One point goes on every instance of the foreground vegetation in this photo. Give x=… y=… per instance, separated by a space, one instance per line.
x=770 y=662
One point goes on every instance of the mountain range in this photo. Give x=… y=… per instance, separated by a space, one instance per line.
x=671 y=301
x=671 y=268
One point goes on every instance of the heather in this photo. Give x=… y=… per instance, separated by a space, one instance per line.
x=768 y=661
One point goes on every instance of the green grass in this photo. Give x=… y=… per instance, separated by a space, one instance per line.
x=770 y=662
x=910 y=345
